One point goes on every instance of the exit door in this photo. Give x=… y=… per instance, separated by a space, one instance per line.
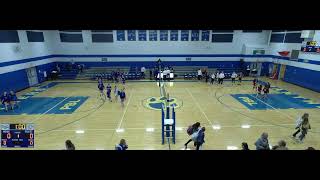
x=32 y=76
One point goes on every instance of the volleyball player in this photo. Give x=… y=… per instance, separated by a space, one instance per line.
x=265 y=91
x=101 y=88
x=109 y=92
x=233 y=77
x=13 y=99
x=123 y=78
x=254 y=83
x=116 y=92
x=240 y=78
x=259 y=91
x=122 y=96
x=5 y=100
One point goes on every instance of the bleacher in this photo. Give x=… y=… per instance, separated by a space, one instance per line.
x=105 y=73
x=187 y=72
x=66 y=74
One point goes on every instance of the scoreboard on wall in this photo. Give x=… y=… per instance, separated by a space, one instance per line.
x=17 y=135
x=311 y=46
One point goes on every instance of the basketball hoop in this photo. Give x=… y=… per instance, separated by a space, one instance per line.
x=284 y=53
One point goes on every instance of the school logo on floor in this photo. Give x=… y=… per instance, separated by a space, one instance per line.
x=156 y=103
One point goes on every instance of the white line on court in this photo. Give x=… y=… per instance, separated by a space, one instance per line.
x=231 y=126
x=125 y=110
x=50 y=109
x=199 y=107
x=290 y=117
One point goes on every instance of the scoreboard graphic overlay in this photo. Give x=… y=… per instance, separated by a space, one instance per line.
x=17 y=135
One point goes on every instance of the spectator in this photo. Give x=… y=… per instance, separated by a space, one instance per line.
x=45 y=75
x=122 y=145
x=70 y=145
x=150 y=71
x=262 y=143
x=143 y=70
x=213 y=76
x=191 y=130
x=245 y=146
x=199 y=74
x=281 y=146
x=310 y=148
x=5 y=100
x=200 y=138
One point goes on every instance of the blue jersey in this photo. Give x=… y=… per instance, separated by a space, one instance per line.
x=122 y=95
x=5 y=98
x=13 y=97
x=100 y=86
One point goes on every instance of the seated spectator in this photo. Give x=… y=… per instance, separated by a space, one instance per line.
x=13 y=99
x=122 y=145
x=5 y=100
x=281 y=146
x=70 y=145
x=310 y=148
x=245 y=146
x=262 y=143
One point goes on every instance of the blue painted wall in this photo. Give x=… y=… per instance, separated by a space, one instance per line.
x=303 y=77
x=14 y=81
x=45 y=67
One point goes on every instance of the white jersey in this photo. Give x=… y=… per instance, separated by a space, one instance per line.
x=199 y=73
x=221 y=75
x=213 y=76
x=234 y=75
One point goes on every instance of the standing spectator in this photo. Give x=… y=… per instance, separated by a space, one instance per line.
x=281 y=146
x=70 y=145
x=233 y=77
x=245 y=146
x=207 y=76
x=143 y=70
x=240 y=77
x=191 y=130
x=122 y=145
x=298 y=123
x=199 y=74
x=200 y=138
x=221 y=77
x=213 y=76
x=45 y=75
x=262 y=143
x=150 y=72
x=58 y=68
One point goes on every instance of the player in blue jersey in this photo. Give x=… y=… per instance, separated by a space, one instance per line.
x=109 y=92
x=101 y=88
x=13 y=99
x=116 y=92
x=123 y=78
x=122 y=96
x=5 y=100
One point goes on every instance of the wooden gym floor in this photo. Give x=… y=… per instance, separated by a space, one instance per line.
x=228 y=121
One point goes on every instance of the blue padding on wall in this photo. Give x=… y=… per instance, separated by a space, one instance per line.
x=303 y=77
x=14 y=81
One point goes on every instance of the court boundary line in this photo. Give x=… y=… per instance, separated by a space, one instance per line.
x=228 y=126
x=125 y=111
x=201 y=110
x=41 y=115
